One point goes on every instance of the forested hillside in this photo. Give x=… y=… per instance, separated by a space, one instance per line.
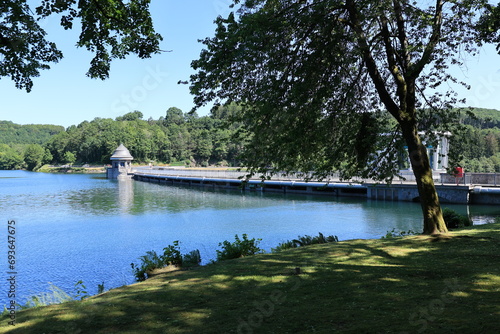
x=177 y=137
x=11 y=133
x=479 y=145
x=18 y=142
x=185 y=138
x=484 y=118
x=173 y=138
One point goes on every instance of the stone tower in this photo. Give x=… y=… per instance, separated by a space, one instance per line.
x=121 y=164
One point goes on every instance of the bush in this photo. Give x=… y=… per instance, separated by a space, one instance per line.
x=192 y=258
x=171 y=257
x=394 y=234
x=55 y=296
x=454 y=220
x=284 y=245
x=304 y=241
x=239 y=248
x=149 y=262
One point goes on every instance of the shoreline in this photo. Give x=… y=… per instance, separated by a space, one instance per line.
x=378 y=280
x=72 y=170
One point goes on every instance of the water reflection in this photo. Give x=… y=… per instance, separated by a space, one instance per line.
x=125 y=195
x=120 y=197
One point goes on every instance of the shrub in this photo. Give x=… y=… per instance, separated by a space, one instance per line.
x=454 y=220
x=239 y=248
x=80 y=291
x=100 y=288
x=55 y=296
x=304 y=241
x=394 y=234
x=284 y=245
x=149 y=262
x=192 y=258
x=172 y=255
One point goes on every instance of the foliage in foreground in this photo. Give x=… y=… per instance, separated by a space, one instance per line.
x=109 y=30
x=239 y=248
x=171 y=257
x=426 y=284
x=56 y=295
x=451 y=218
x=304 y=241
x=398 y=234
x=455 y=220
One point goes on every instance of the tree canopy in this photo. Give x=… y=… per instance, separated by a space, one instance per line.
x=318 y=78
x=109 y=29
x=189 y=139
x=11 y=133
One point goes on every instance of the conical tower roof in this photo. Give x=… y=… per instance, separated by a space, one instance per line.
x=121 y=153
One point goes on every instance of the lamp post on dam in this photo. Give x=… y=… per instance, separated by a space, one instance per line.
x=121 y=164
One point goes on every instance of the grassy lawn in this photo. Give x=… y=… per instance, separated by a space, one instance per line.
x=417 y=284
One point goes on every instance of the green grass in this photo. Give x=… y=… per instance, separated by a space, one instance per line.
x=416 y=284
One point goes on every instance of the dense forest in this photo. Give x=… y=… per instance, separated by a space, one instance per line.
x=187 y=139
x=479 y=144
x=19 y=142
x=183 y=138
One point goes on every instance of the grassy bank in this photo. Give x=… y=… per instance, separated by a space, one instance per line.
x=417 y=284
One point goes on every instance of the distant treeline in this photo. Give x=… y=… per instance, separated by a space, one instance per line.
x=178 y=137
x=188 y=139
x=479 y=144
x=479 y=149
x=11 y=133
x=484 y=118
x=18 y=142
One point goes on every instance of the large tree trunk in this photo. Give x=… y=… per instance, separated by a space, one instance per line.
x=429 y=200
x=404 y=73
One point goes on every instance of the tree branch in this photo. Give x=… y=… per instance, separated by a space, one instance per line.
x=403 y=40
x=415 y=69
x=370 y=62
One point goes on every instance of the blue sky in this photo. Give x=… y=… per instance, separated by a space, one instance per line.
x=63 y=95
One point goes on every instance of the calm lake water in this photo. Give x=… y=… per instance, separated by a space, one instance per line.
x=85 y=227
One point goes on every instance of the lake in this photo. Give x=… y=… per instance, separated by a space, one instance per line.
x=85 y=227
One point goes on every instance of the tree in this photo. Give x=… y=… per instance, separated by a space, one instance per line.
x=174 y=116
x=69 y=158
x=57 y=145
x=131 y=116
x=491 y=144
x=9 y=158
x=109 y=28
x=316 y=78
x=203 y=146
x=33 y=156
x=47 y=156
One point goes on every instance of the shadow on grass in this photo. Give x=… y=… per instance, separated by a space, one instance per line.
x=411 y=285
